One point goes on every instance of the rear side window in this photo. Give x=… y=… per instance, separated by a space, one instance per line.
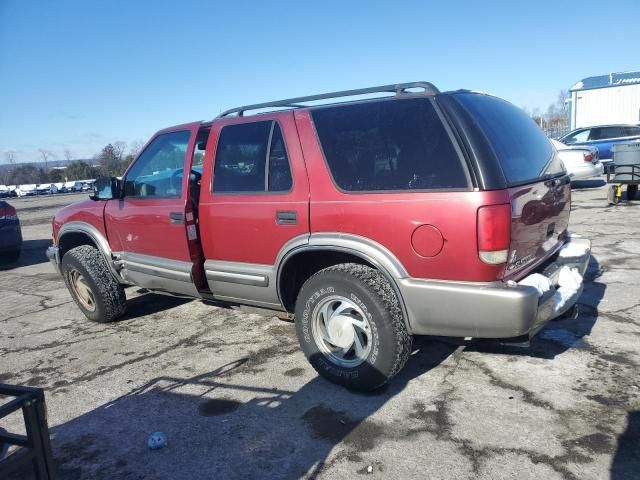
x=631 y=131
x=388 y=145
x=523 y=150
x=604 y=133
x=251 y=157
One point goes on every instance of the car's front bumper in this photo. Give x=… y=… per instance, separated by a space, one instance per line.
x=491 y=310
x=53 y=254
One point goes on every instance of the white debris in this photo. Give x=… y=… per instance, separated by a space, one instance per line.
x=369 y=469
x=573 y=249
x=569 y=281
x=537 y=281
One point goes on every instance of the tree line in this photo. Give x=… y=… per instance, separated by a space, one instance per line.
x=112 y=160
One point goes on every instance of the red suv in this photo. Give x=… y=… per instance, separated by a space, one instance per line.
x=411 y=213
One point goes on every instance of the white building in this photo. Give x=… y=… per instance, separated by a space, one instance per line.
x=606 y=99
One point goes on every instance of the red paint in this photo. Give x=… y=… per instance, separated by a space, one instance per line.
x=142 y=225
x=243 y=228
x=427 y=241
x=434 y=235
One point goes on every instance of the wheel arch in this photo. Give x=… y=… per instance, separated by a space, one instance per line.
x=74 y=234
x=300 y=263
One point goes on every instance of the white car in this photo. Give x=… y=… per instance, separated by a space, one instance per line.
x=581 y=162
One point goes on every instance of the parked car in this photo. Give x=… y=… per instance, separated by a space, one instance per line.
x=581 y=162
x=371 y=221
x=603 y=138
x=26 y=190
x=10 y=233
x=4 y=191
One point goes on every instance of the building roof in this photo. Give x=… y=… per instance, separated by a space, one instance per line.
x=610 y=80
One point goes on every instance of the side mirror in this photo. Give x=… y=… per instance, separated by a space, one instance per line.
x=106 y=188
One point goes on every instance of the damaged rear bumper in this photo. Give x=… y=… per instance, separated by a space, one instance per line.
x=498 y=309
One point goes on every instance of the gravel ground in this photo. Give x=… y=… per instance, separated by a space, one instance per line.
x=237 y=399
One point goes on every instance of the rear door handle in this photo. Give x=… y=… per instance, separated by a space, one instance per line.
x=176 y=217
x=286 y=218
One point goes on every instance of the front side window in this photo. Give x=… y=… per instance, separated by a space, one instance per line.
x=158 y=171
x=388 y=145
x=251 y=157
x=577 y=137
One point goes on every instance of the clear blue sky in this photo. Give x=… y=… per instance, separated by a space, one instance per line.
x=80 y=74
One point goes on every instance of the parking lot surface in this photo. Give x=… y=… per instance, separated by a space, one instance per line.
x=237 y=399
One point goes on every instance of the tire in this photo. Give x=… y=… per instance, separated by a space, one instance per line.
x=84 y=268
x=632 y=191
x=359 y=305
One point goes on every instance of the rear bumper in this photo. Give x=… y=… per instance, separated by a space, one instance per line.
x=53 y=254
x=496 y=309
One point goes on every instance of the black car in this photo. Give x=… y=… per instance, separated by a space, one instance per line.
x=10 y=233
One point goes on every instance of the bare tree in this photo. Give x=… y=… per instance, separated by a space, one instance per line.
x=10 y=157
x=68 y=155
x=45 y=155
x=119 y=149
x=135 y=148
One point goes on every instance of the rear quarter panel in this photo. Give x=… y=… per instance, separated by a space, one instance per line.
x=392 y=218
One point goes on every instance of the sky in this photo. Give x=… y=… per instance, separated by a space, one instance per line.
x=79 y=74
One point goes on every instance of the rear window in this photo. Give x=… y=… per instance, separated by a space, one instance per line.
x=523 y=150
x=388 y=145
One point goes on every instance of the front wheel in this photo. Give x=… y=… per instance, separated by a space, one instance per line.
x=92 y=286
x=351 y=328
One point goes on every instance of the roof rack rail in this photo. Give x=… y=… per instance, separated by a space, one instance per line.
x=398 y=89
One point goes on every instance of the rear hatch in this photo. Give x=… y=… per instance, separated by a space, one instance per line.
x=528 y=168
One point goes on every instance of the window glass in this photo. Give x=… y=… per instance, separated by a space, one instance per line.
x=631 y=131
x=523 y=150
x=279 y=172
x=240 y=157
x=158 y=171
x=388 y=145
x=578 y=137
x=604 y=133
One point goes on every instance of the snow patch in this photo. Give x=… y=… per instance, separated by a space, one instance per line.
x=573 y=249
x=541 y=283
x=569 y=281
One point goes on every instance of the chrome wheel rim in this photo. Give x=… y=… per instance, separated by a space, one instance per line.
x=341 y=331
x=82 y=290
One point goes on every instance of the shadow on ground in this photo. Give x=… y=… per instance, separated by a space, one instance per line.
x=32 y=253
x=560 y=335
x=626 y=462
x=272 y=433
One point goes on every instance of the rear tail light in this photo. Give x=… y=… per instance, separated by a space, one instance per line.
x=588 y=157
x=494 y=233
x=8 y=213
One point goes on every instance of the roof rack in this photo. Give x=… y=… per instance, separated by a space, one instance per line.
x=398 y=89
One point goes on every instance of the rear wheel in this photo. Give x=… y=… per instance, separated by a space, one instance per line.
x=93 y=287
x=351 y=328
x=632 y=191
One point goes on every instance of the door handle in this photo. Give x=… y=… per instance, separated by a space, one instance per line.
x=176 y=217
x=286 y=218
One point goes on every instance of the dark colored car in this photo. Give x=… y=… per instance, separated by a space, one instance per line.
x=10 y=233
x=371 y=221
x=602 y=137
